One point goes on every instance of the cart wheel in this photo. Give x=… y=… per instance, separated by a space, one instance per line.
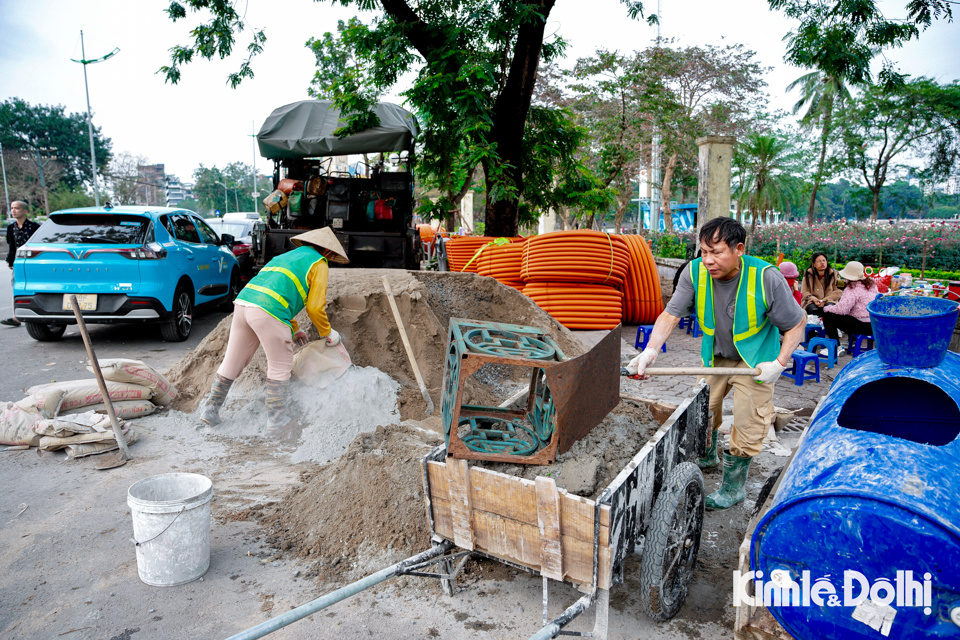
x=672 y=542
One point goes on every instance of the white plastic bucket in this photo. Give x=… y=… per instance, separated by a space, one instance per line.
x=171 y=527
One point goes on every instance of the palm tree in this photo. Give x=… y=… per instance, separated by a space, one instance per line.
x=769 y=181
x=821 y=93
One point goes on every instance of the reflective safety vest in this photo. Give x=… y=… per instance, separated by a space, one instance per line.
x=281 y=287
x=755 y=338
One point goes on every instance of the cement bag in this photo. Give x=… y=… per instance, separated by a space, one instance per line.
x=318 y=365
x=82 y=393
x=54 y=443
x=90 y=449
x=125 y=409
x=136 y=372
x=16 y=425
x=65 y=426
x=46 y=403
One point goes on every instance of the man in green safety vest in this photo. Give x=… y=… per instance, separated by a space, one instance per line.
x=264 y=315
x=742 y=303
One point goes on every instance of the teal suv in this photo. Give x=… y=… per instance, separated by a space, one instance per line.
x=124 y=264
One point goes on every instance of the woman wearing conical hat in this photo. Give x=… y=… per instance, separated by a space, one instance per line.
x=264 y=315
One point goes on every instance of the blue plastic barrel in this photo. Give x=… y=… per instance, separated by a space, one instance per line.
x=874 y=488
x=912 y=331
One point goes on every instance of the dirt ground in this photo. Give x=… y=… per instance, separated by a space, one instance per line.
x=336 y=496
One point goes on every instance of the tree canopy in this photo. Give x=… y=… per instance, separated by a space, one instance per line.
x=49 y=132
x=475 y=64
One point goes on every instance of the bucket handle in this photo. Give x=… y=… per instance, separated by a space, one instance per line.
x=137 y=544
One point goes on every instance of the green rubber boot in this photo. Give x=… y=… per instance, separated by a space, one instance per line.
x=732 y=489
x=710 y=460
x=276 y=398
x=209 y=409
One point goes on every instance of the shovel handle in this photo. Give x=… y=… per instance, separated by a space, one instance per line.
x=700 y=371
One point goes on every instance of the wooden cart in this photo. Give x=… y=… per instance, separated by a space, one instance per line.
x=653 y=507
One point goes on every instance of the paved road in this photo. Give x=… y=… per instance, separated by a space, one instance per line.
x=27 y=362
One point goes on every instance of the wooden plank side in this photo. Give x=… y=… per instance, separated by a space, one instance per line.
x=442 y=518
x=578 y=562
x=507 y=539
x=437 y=472
x=576 y=518
x=507 y=496
x=461 y=505
x=548 y=522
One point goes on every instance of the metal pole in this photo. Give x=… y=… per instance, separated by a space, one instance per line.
x=236 y=199
x=6 y=193
x=268 y=627
x=93 y=153
x=253 y=167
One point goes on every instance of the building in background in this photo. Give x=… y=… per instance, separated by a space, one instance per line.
x=176 y=191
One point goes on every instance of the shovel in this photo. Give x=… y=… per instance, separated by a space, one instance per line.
x=692 y=371
x=118 y=458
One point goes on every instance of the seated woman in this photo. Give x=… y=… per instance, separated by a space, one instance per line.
x=791 y=273
x=849 y=314
x=819 y=286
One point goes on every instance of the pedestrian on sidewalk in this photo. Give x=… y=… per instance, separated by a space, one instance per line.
x=741 y=303
x=850 y=313
x=263 y=314
x=18 y=234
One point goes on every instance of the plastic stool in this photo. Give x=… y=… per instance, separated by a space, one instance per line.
x=812 y=328
x=831 y=346
x=694 y=327
x=686 y=322
x=646 y=330
x=855 y=344
x=799 y=371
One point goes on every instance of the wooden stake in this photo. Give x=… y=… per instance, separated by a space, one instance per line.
x=701 y=371
x=117 y=432
x=406 y=345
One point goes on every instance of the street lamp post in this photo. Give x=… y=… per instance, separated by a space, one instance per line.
x=86 y=87
x=226 y=207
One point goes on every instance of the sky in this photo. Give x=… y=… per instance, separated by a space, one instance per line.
x=203 y=121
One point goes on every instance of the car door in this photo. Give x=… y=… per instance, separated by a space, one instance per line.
x=220 y=262
x=198 y=259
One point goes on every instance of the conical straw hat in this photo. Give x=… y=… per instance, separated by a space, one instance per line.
x=326 y=241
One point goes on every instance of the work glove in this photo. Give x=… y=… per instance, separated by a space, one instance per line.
x=769 y=372
x=333 y=339
x=639 y=364
x=300 y=339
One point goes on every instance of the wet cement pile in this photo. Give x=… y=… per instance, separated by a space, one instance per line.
x=595 y=460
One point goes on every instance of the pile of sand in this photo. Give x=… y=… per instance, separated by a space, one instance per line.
x=358 y=308
x=365 y=509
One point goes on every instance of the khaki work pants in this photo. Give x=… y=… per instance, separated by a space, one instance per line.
x=752 y=407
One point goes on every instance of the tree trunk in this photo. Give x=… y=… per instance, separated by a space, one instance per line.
x=875 y=207
x=509 y=117
x=621 y=212
x=665 y=192
x=824 y=135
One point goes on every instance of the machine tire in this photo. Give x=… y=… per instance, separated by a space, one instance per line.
x=177 y=328
x=672 y=542
x=227 y=303
x=45 y=332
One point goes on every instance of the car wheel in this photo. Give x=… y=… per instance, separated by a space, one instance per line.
x=45 y=332
x=177 y=328
x=227 y=304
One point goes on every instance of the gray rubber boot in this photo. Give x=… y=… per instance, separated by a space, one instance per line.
x=732 y=489
x=276 y=398
x=209 y=409
x=710 y=460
